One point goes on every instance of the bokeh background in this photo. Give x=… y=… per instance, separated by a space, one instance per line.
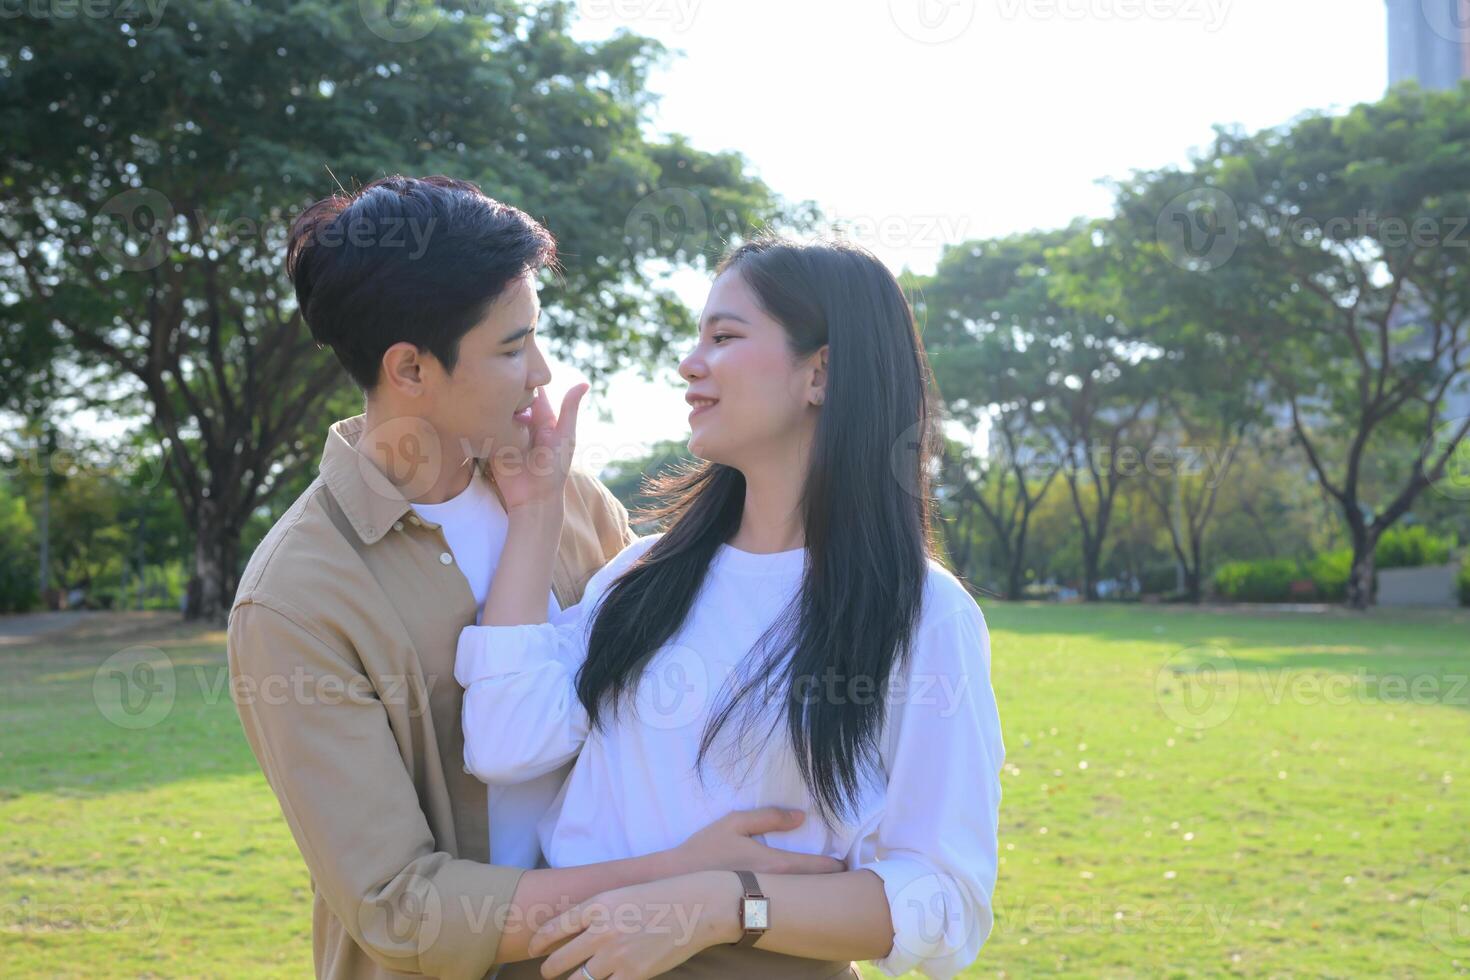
x=1194 y=276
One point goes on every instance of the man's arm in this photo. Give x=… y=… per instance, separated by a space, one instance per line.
x=354 y=812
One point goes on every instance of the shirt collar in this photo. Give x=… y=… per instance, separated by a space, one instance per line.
x=370 y=500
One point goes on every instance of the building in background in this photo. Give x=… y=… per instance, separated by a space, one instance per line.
x=1429 y=42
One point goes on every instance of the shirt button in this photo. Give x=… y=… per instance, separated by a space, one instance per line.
x=398 y=525
x=414 y=520
x=446 y=559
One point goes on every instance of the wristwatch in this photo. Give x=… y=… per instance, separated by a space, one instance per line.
x=755 y=910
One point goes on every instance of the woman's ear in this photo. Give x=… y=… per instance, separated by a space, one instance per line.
x=818 y=392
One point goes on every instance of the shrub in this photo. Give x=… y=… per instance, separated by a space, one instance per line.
x=1464 y=580
x=1329 y=572
x=1266 y=580
x=1410 y=547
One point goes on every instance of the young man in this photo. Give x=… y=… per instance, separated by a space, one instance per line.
x=343 y=633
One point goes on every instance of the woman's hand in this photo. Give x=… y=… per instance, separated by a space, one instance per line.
x=642 y=930
x=728 y=843
x=535 y=477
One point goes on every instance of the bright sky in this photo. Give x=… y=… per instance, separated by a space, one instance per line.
x=930 y=122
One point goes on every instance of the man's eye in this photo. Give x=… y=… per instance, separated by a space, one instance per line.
x=515 y=353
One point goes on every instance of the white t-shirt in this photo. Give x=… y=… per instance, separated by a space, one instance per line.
x=475 y=526
x=928 y=827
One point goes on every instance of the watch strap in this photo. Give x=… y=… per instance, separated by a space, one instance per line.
x=752 y=890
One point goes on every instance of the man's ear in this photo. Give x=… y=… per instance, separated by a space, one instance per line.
x=403 y=369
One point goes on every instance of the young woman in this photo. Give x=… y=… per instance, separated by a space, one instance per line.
x=789 y=639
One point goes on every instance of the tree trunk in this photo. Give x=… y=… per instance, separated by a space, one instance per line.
x=216 y=550
x=1360 y=591
x=1091 y=559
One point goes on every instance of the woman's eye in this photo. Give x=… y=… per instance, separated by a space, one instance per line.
x=720 y=336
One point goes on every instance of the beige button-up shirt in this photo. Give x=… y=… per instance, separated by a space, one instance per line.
x=341 y=655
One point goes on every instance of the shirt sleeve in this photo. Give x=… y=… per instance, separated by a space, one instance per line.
x=936 y=843
x=352 y=806
x=521 y=714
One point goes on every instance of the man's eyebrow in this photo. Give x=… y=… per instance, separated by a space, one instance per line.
x=517 y=335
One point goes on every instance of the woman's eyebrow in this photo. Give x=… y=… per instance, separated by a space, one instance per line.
x=717 y=317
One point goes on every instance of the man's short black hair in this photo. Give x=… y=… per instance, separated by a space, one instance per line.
x=415 y=259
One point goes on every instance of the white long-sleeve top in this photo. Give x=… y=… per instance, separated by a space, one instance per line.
x=927 y=827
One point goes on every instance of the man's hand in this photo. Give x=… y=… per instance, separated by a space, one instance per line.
x=726 y=845
x=534 y=478
x=641 y=931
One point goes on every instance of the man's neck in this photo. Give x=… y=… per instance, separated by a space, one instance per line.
x=416 y=457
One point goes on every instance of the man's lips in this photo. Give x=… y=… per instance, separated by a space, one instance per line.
x=522 y=414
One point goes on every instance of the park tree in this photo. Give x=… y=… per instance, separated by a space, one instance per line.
x=981 y=312
x=1332 y=253
x=1207 y=394
x=153 y=161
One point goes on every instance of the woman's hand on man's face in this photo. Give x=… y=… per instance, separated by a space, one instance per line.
x=532 y=479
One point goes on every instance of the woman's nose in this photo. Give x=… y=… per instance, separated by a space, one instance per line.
x=691 y=367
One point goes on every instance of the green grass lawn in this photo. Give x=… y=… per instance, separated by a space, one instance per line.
x=1186 y=793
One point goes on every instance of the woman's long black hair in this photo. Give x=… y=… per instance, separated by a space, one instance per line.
x=867 y=521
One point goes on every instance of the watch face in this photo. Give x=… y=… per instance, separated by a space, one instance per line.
x=757 y=913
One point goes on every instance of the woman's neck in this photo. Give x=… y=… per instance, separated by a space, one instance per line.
x=772 y=520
